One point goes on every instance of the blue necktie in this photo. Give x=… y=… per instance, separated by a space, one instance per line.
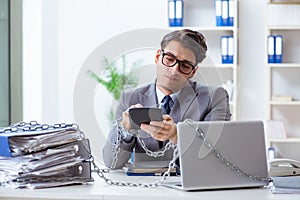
x=166 y=104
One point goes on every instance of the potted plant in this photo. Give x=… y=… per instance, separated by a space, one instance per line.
x=116 y=79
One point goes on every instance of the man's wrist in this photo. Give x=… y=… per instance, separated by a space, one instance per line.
x=126 y=136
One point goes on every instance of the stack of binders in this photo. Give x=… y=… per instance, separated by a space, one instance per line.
x=275 y=49
x=34 y=155
x=224 y=10
x=175 y=12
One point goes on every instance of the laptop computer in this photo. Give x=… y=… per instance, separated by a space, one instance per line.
x=242 y=143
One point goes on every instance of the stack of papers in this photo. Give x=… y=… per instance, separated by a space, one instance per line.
x=39 y=157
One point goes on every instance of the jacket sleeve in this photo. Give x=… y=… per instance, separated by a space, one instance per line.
x=219 y=105
x=110 y=147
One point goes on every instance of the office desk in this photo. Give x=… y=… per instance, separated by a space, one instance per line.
x=100 y=190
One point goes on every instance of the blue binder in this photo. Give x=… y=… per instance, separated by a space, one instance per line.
x=278 y=48
x=178 y=12
x=218 y=12
x=224 y=49
x=225 y=13
x=230 y=49
x=271 y=49
x=230 y=13
x=171 y=12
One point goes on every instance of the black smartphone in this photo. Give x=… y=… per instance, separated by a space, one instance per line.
x=143 y=115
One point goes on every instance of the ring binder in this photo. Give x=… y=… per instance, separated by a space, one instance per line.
x=225 y=12
x=218 y=12
x=278 y=48
x=271 y=49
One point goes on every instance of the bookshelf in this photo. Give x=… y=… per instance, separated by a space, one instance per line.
x=4 y=64
x=200 y=16
x=283 y=78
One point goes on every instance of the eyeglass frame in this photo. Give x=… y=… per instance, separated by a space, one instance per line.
x=177 y=61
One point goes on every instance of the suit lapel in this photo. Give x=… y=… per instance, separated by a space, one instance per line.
x=149 y=98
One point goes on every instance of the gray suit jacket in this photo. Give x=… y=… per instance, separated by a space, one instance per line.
x=195 y=101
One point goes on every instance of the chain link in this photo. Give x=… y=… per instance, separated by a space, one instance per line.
x=155 y=154
x=227 y=163
x=101 y=172
x=35 y=126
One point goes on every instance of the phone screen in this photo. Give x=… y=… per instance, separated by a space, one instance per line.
x=140 y=116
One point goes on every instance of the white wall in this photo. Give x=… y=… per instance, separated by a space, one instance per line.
x=59 y=35
x=252 y=71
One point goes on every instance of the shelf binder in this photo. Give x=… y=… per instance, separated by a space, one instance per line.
x=271 y=49
x=230 y=50
x=227 y=49
x=224 y=49
x=179 y=13
x=175 y=12
x=171 y=12
x=218 y=12
x=278 y=49
x=230 y=13
x=225 y=13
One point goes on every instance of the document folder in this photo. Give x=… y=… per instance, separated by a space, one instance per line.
x=225 y=13
x=171 y=12
x=218 y=12
x=278 y=49
x=179 y=13
x=224 y=49
x=271 y=49
x=230 y=50
x=21 y=143
x=230 y=13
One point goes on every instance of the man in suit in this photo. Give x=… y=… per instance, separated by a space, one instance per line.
x=176 y=63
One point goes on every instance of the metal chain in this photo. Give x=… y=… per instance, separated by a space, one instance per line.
x=101 y=172
x=155 y=154
x=226 y=162
x=35 y=126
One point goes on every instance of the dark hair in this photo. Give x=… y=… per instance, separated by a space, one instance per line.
x=190 y=39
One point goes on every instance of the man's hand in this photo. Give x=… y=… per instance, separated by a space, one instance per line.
x=163 y=130
x=125 y=116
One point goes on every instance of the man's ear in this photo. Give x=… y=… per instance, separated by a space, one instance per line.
x=158 y=52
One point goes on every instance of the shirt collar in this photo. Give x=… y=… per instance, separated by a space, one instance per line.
x=160 y=95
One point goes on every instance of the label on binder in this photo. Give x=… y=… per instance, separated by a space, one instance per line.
x=278 y=49
x=271 y=49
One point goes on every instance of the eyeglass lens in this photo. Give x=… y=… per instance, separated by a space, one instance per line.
x=169 y=60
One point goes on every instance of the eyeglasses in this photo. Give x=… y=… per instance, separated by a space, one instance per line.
x=184 y=66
